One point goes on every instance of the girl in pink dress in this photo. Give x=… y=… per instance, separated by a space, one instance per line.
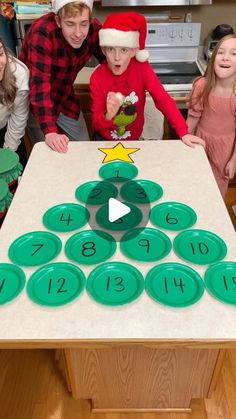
x=212 y=111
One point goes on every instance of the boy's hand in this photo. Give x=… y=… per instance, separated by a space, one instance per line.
x=58 y=142
x=190 y=140
x=113 y=103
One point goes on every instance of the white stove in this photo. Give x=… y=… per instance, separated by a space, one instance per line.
x=174 y=50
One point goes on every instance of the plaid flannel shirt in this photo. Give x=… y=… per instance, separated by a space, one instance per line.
x=53 y=66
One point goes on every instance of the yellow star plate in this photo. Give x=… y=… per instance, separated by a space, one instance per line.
x=118 y=152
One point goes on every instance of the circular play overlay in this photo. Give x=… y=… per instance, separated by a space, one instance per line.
x=56 y=284
x=12 y=282
x=174 y=284
x=97 y=197
x=220 y=280
x=130 y=220
x=115 y=284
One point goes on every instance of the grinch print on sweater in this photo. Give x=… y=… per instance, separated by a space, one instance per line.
x=126 y=115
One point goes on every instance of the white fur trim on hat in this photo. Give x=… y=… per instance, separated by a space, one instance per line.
x=115 y=38
x=142 y=55
x=58 y=4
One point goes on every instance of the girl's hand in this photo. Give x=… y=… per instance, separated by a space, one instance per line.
x=190 y=140
x=230 y=169
x=58 y=142
x=113 y=103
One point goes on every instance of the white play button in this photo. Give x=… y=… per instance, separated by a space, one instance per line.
x=116 y=210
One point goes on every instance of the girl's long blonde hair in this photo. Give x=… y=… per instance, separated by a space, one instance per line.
x=210 y=77
x=8 y=85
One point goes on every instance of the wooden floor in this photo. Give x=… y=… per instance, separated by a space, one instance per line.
x=31 y=388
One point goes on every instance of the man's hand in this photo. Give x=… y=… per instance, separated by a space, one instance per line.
x=190 y=140
x=58 y=142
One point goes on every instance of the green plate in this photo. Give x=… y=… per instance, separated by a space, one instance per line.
x=220 y=280
x=173 y=216
x=12 y=282
x=8 y=160
x=34 y=248
x=65 y=217
x=118 y=171
x=10 y=167
x=199 y=246
x=90 y=246
x=174 y=284
x=130 y=220
x=4 y=190
x=96 y=192
x=145 y=244
x=141 y=191
x=56 y=284
x=115 y=284
x=5 y=197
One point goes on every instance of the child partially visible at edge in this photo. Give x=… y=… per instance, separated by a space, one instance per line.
x=14 y=102
x=119 y=85
x=212 y=111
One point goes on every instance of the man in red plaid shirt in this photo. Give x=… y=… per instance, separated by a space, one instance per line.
x=56 y=47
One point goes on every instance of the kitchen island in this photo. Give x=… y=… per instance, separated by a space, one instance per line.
x=143 y=355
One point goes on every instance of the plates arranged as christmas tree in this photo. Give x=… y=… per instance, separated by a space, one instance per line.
x=118 y=218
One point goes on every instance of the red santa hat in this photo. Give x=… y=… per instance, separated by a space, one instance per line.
x=58 y=4
x=127 y=29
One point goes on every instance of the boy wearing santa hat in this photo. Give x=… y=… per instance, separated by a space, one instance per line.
x=119 y=85
x=56 y=47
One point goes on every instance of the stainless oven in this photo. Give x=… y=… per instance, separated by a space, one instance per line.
x=174 y=56
x=174 y=52
x=131 y=3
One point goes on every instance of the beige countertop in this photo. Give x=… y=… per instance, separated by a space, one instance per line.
x=51 y=178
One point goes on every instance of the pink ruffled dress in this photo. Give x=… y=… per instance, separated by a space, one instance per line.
x=217 y=126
